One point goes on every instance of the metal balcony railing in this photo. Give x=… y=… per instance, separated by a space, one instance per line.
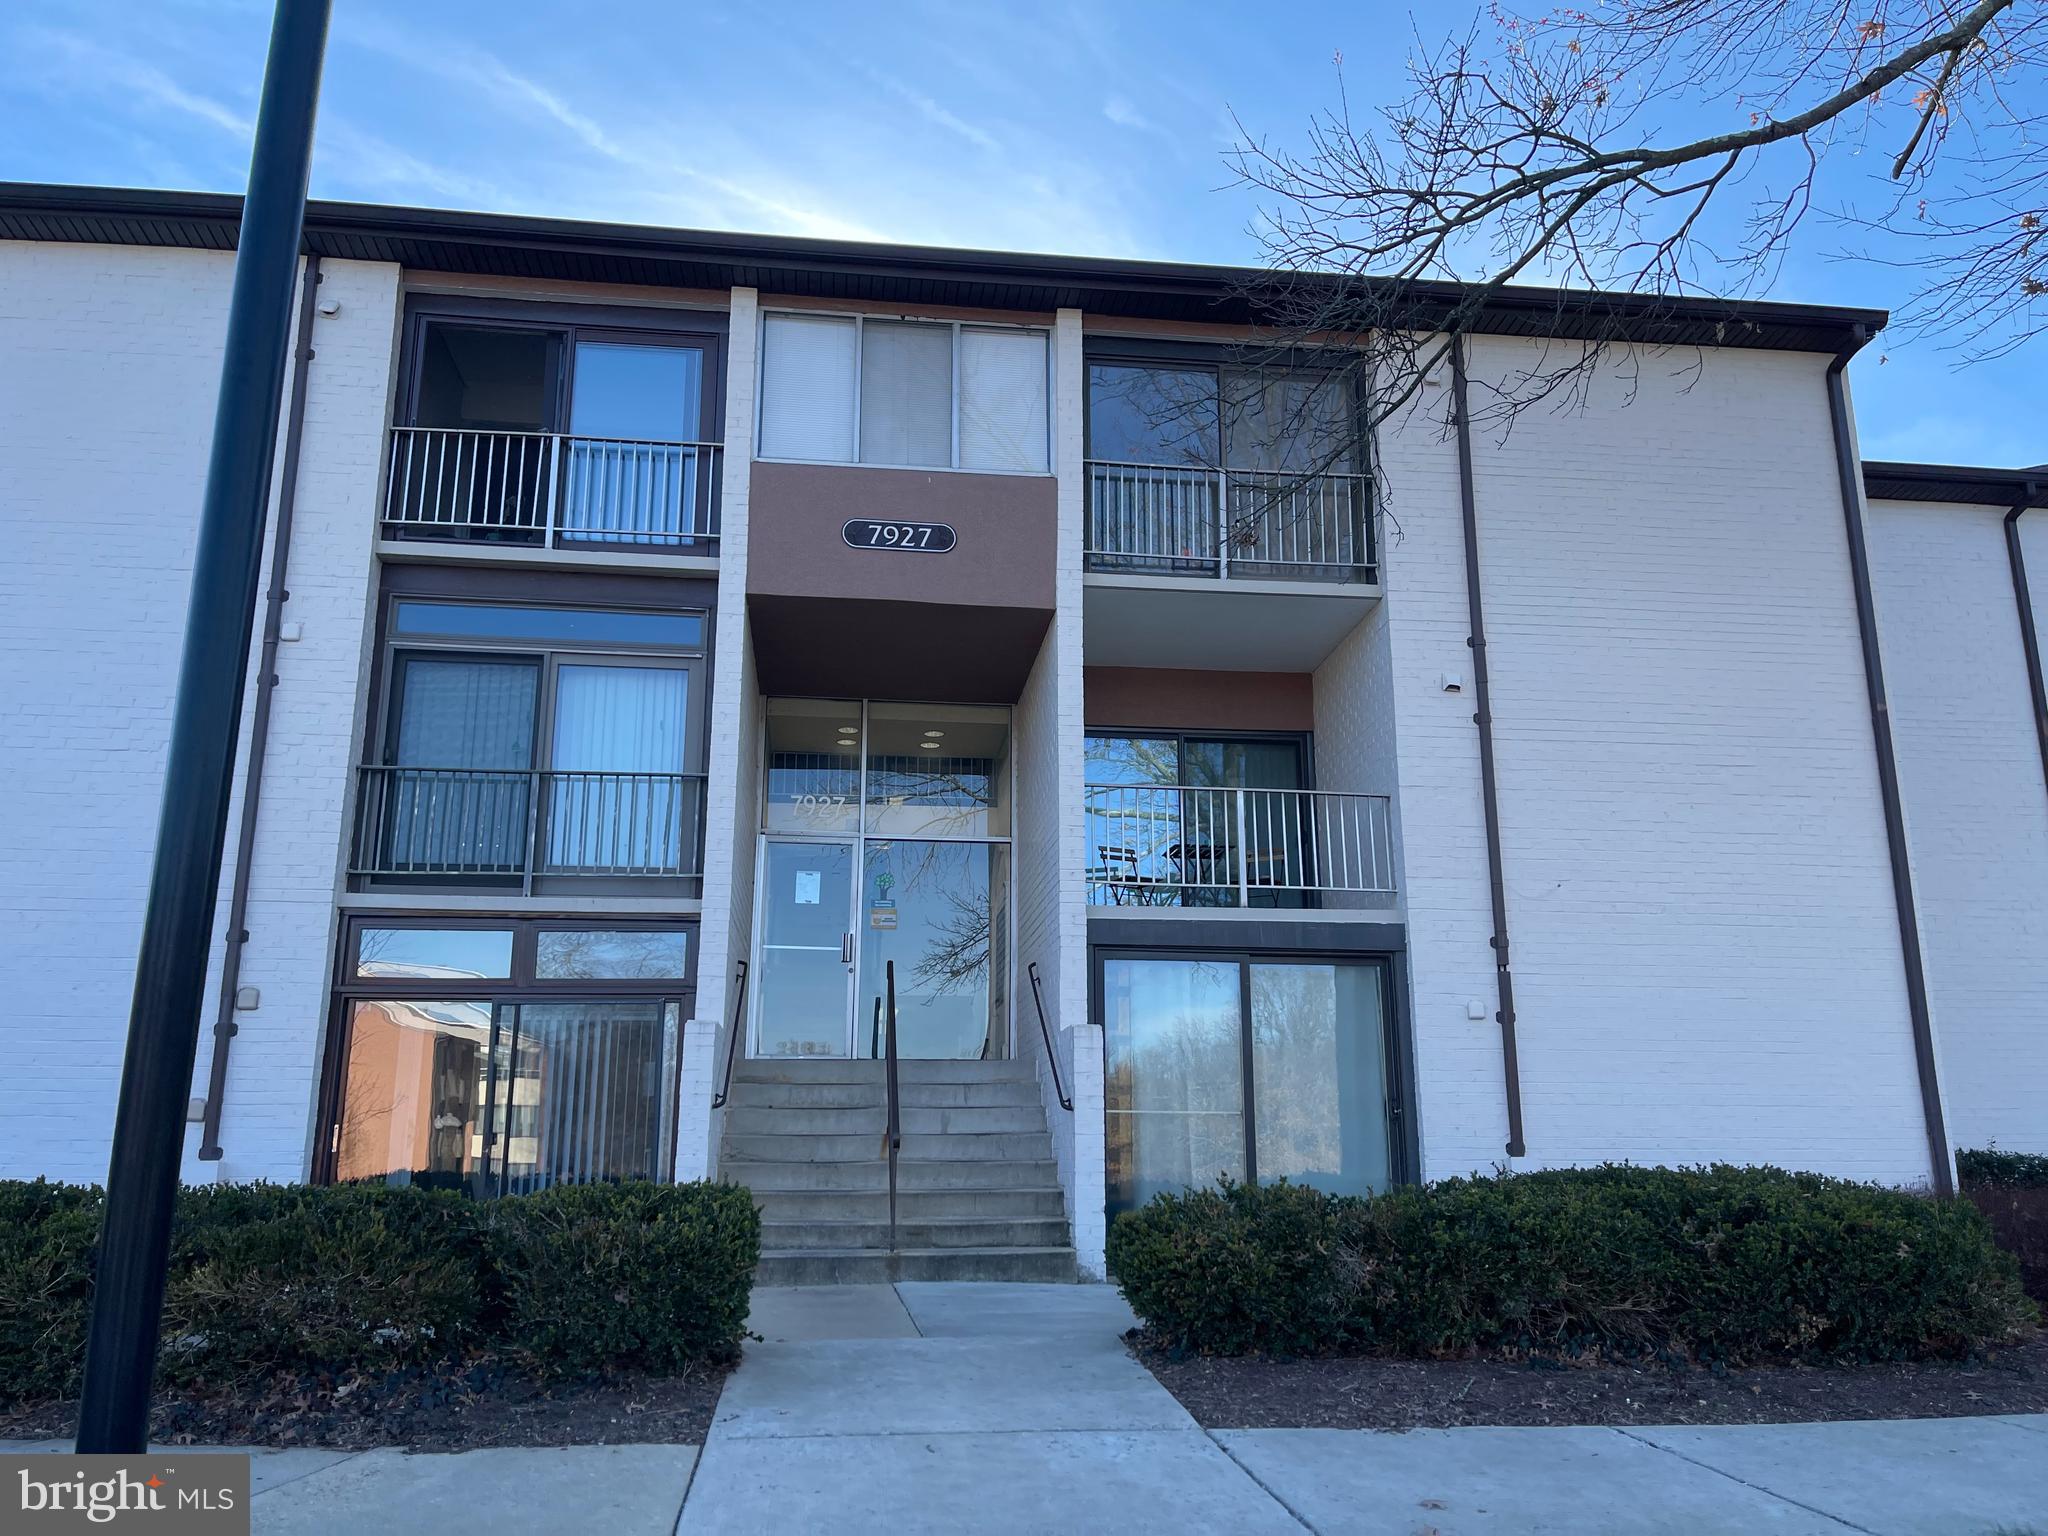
x=550 y=490
x=1179 y=520
x=1165 y=845
x=513 y=824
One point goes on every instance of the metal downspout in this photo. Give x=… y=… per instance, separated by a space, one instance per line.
x=2030 y=640
x=1850 y=475
x=1503 y=973
x=224 y=1026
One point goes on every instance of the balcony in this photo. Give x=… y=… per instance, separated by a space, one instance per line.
x=526 y=828
x=1165 y=845
x=1215 y=524
x=551 y=490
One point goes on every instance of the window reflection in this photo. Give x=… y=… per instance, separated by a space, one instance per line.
x=387 y=954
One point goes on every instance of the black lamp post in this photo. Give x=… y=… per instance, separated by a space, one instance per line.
x=170 y=970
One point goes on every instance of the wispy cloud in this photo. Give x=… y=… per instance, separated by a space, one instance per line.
x=84 y=62
x=933 y=112
x=1125 y=114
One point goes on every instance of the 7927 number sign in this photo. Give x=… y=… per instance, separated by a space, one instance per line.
x=872 y=533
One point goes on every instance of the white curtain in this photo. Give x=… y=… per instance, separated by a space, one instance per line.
x=807 y=367
x=1003 y=400
x=616 y=802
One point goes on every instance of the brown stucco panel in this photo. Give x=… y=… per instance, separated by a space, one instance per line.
x=1007 y=526
x=1165 y=698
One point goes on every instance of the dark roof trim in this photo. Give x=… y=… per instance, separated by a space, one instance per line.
x=438 y=240
x=1886 y=481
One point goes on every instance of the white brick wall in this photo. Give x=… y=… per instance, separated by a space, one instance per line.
x=734 y=753
x=1976 y=808
x=1705 y=952
x=1355 y=728
x=106 y=409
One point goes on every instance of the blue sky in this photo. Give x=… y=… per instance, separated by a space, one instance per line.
x=1096 y=129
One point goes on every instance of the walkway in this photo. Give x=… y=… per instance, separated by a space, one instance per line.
x=1015 y=1408
x=1000 y=1408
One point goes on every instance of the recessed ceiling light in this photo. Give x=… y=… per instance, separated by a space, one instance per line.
x=934 y=735
x=929 y=746
x=849 y=730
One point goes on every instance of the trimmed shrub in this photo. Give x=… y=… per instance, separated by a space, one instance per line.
x=648 y=1275
x=371 y=1277
x=48 y=1236
x=298 y=1277
x=1723 y=1263
x=2011 y=1189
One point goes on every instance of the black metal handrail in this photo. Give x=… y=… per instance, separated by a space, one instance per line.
x=732 y=1043
x=893 y=1141
x=1045 y=1033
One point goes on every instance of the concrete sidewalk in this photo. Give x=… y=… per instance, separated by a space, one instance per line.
x=942 y=1408
x=1015 y=1408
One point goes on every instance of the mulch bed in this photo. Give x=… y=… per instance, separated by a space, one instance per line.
x=459 y=1409
x=1352 y=1393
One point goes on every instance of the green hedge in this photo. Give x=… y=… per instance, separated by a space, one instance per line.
x=372 y=1277
x=1987 y=1165
x=1722 y=1263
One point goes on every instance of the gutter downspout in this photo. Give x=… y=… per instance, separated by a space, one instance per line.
x=1503 y=974
x=224 y=1026
x=1851 y=478
x=2030 y=641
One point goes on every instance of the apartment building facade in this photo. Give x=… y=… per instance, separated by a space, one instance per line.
x=962 y=742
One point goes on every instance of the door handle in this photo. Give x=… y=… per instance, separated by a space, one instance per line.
x=846 y=949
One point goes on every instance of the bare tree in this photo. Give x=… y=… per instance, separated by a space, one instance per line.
x=1534 y=156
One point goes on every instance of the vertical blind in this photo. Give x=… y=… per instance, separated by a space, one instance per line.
x=906 y=376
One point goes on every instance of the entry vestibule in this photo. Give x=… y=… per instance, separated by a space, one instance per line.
x=885 y=838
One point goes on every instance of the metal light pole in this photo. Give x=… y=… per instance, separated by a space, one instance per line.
x=170 y=970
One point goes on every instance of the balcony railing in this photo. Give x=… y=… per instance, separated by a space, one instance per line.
x=503 y=825
x=1178 y=520
x=549 y=490
x=1164 y=845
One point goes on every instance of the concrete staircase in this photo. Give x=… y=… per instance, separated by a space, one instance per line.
x=977 y=1194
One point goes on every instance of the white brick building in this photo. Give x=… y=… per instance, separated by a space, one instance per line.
x=688 y=633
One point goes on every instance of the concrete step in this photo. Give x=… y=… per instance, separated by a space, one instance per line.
x=856 y=1266
x=975 y=1119
x=855 y=1147
x=826 y=1069
x=746 y=1095
x=978 y=1146
x=1019 y=1092
x=919 y=1174
x=790 y=1120
x=793 y=1236
x=912 y=1204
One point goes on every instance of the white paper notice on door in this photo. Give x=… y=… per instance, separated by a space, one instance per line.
x=809 y=882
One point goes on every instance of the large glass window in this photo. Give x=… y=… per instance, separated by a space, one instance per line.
x=1251 y=1067
x=533 y=743
x=1164 y=826
x=917 y=394
x=507 y=1057
x=940 y=912
x=478 y=458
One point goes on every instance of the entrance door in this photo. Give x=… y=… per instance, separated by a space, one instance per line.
x=803 y=1002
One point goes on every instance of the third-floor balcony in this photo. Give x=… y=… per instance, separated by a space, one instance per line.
x=1229 y=524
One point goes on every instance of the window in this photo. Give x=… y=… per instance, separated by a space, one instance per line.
x=506 y=1056
x=1253 y=1066
x=1171 y=416
x=918 y=394
x=1163 y=825
x=526 y=744
x=479 y=457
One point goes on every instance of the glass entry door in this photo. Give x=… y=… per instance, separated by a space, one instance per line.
x=803 y=1000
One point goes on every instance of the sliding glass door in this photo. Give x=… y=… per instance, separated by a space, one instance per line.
x=1254 y=1067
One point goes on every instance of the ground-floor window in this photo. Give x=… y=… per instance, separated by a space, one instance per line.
x=1259 y=1067
x=498 y=1056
